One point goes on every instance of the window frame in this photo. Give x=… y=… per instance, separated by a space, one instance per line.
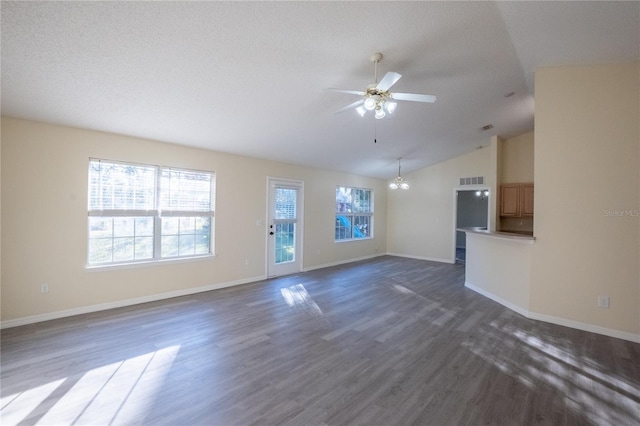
x=157 y=213
x=352 y=213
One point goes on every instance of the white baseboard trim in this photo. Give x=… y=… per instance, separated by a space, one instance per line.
x=430 y=259
x=500 y=300
x=556 y=320
x=586 y=327
x=123 y=303
x=342 y=262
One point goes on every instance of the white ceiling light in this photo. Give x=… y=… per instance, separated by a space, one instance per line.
x=390 y=106
x=399 y=182
x=370 y=104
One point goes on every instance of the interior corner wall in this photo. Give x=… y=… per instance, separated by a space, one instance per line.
x=44 y=212
x=421 y=220
x=587 y=198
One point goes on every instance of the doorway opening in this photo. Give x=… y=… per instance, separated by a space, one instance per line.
x=472 y=211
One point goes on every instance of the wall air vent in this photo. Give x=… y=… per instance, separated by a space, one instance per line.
x=476 y=180
x=487 y=127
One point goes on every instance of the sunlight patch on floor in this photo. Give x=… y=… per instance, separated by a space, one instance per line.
x=586 y=389
x=599 y=390
x=297 y=296
x=16 y=407
x=402 y=289
x=120 y=392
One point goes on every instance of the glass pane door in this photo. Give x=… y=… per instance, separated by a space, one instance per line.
x=284 y=227
x=285 y=224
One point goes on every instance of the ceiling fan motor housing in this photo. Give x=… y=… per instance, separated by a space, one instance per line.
x=376 y=57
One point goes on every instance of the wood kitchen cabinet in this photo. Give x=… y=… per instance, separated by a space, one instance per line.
x=516 y=199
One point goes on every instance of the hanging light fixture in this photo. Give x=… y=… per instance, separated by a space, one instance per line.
x=399 y=182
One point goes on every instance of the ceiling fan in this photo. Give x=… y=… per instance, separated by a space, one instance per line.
x=377 y=97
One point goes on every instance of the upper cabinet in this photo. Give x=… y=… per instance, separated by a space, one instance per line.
x=510 y=200
x=516 y=199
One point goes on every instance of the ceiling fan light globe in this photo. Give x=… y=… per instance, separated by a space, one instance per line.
x=404 y=185
x=380 y=113
x=369 y=104
x=390 y=106
x=361 y=110
x=393 y=185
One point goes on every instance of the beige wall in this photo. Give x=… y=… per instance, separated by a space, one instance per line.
x=587 y=195
x=0 y=217
x=421 y=220
x=44 y=212
x=518 y=159
x=500 y=268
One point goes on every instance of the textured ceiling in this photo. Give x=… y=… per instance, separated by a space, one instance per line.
x=250 y=77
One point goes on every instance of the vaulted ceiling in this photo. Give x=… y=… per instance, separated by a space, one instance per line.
x=250 y=77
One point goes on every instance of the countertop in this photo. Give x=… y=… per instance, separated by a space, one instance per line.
x=505 y=235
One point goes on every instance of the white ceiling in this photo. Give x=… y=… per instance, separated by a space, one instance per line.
x=250 y=77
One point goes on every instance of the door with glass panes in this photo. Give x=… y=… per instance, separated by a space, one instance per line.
x=284 y=227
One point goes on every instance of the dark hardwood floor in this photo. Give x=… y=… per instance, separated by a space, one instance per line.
x=389 y=341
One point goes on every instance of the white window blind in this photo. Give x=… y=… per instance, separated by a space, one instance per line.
x=119 y=189
x=142 y=212
x=183 y=191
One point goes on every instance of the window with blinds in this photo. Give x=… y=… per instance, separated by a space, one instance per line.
x=354 y=213
x=144 y=213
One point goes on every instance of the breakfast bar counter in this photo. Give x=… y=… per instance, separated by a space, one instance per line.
x=498 y=266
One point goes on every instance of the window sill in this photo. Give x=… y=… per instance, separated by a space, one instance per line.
x=353 y=240
x=133 y=265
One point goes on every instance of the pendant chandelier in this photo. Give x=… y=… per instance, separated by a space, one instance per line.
x=399 y=182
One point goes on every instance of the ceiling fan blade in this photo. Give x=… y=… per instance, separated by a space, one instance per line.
x=413 y=97
x=350 y=106
x=353 y=92
x=388 y=80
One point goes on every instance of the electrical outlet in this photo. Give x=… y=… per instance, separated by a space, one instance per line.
x=603 y=302
x=44 y=288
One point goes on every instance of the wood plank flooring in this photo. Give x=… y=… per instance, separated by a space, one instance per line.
x=388 y=341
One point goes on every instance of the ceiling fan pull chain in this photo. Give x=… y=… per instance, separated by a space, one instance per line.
x=375 y=132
